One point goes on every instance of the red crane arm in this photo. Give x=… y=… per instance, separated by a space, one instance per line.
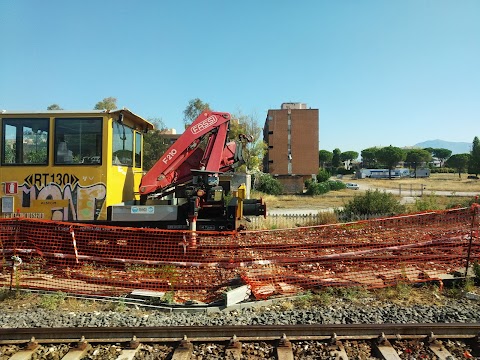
x=185 y=154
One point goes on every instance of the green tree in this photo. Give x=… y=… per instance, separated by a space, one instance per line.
x=474 y=163
x=54 y=107
x=349 y=156
x=154 y=145
x=416 y=157
x=441 y=154
x=109 y=103
x=253 y=151
x=37 y=157
x=430 y=150
x=369 y=157
x=194 y=108
x=158 y=123
x=325 y=158
x=336 y=160
x=9 y=153
x=390 y=156
x=459 y=162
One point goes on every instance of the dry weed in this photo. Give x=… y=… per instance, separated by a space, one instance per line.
x=336 y=199
x=436 y=182
x=406 y=295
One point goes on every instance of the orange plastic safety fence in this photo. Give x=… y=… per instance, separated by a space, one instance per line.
x=104 y=260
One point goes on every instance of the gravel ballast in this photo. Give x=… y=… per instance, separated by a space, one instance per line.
x=343 y=312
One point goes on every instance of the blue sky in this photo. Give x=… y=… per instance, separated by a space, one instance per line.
x=380 y=72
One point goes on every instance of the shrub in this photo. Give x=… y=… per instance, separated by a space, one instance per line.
x=443 y=170
x=343 y=171
x=319 y=188
x=268 y=185
x=476 y=269
x=461 y=204
x=371 y=203
x=314 y=188
x=336 y=185
x=429 y=202
x=323 y=175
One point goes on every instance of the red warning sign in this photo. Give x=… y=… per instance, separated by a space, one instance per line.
x=11 y=187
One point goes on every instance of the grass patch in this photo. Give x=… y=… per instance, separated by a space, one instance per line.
x=330 y=295
x=331 y=199
x=336 y=199
x=436 y=182
x=353 y=293
x=16 y=299
x=458 y=288
x=52 y=301
x=117 y=306
x=401 y=291
x=469 y=285
x=73 y=304
x=407 y=294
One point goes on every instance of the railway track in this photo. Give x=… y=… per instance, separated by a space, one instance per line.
x=379 y=341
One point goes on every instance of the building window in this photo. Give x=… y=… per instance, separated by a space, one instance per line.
x=270 y=132
x=25 y=141
x=78 y=141
x=122 y=144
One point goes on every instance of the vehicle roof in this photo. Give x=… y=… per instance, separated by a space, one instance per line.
x=138 y=120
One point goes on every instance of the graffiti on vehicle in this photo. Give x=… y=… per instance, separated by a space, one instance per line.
x=79 y=202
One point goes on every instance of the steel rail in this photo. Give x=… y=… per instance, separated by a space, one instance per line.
x=246 y=333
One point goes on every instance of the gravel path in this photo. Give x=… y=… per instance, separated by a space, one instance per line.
x=343 y=312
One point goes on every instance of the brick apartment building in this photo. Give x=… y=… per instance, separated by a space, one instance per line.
x=291 y=134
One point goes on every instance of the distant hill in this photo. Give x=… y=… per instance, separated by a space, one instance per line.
x=455 y=147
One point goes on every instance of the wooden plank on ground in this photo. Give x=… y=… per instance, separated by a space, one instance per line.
x=441 y=352
x=234 y=349
x=284 y=353
x=387 y=352
x=76 y=354
x=128 y=354
x=25 y=354
x=184 y=351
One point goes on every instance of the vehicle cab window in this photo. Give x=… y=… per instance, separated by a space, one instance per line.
x=78 y=141
x=138 y=150
x=25 y=141
x=122 y=151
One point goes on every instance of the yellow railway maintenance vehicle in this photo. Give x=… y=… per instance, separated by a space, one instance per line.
x=67 y=165
x=87 y=167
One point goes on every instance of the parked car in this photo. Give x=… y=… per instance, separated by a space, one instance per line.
x=352 y=186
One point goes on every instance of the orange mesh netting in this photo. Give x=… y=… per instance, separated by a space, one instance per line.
x=104 y=260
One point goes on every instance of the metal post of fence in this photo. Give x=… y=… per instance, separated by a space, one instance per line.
x=15 y=239
x=474 y=216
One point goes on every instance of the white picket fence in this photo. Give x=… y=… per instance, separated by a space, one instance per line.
x=286 y=221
